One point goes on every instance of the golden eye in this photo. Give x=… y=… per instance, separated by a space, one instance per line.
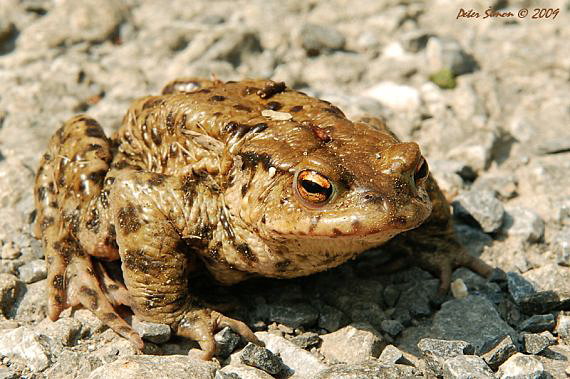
x=422 y=171
x=313 y=187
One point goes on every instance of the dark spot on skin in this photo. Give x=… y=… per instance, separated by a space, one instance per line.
x=217 y=98
x=251 y=159
x=398 y=220
x=274 y=105
x=125 y=330
x=109 y=181
x=170 y=122
x=90 y=272
x=217 y=114
x=153 y=102
x=226 y=225
x=108 y=317
x=214 y=253
x=58 y=282
x=188 y=186
x=241 y=107
x=128 y=219
x=321 y=134
x=258 y=128
x=246 y=252
x=155 y=136
x=203 y=90
x=134 y=260
x=263 y=219
x=95 y=132
x=156 y=179
x=334 y=111
x=104 y=199
x=41 y=193
x=356 y=225
x=91 y=122
x=121 y=165
x=92 y=294
x=93 y=146
x=58 y=299
x=72 y=220
x=47 y=157
x=244 y=189
x=282 y=266
x=51 y=188
x=93 y=221
x=336 y=232
x=373 y=198
x=182 y=123
x=296 y=108
x=271 y=89
x=173 y=150
x=97 y=176
x=240 y=130
x=249 y=91
x=113 y=287
x=346 y=178
x=53 y=204
x=314 y=221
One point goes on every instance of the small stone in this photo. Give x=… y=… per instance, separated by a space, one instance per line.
x=504 y=185
x=226 y=341
x=523 y=223
x=519 y=287
x=521 y=366
x=481 y=207
x=392 y=327
x=391 y=295
x=150 y=331
x=369 y=370
x=260 y=357
x=294 y=314
x=363 y=339
x=497 y=351
x=24 y=345
x=391 y=355
x=446 y=53
x=33 y=271
x=395 y=96
x=9 y=251
x=534 y=343
x=10 y=288
x=466 y=367
x=538 y=323
x=155 y=366
x=552 y=283
x=459 y=289
x=416 y=298
x=436 y=352
x=318 y=38
x=561 y=246
x=303 y=363
x=306 y=340
x=6 y=373
x=241 y=371
x=33 y=305
x=65 y=331
x=331 y=319
x=563 y=327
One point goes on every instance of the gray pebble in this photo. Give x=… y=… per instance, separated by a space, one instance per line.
x=33 y=271
x=519 y=287
x=391 y=355
x=294 y=314
x=150 y=331
x=306 y=340
x=534 y=343
x=466 y=367
x=261 y=358
x=364 y=341
x=523 y=223
x=392 y=327
x=480 y=206
x=226 y=341
x=497 y=350
x=436 y=352
x=446 y=53
x=318 y=38
x=331 y=319
x=538 y=323
x=521 y=366
x=563 y=326
x=561 y=246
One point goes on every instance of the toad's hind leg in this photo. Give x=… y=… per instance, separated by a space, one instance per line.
x=151 y=213
x=68 y=183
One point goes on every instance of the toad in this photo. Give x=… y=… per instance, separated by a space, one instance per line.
x=245 y=178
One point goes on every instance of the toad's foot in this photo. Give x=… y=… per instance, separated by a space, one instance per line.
x=200 y=325
x=438 y=254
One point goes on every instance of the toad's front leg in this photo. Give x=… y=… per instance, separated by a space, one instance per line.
x=151 y=213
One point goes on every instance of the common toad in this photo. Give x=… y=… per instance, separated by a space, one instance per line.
x=248 y=178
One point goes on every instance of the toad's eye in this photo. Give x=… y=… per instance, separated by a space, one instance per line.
x=422 y=171
x=313 y=187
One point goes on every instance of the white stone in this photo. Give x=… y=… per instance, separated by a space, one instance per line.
x=396 y=96
x=354 y=343
x=23 y=345
x=459 y=289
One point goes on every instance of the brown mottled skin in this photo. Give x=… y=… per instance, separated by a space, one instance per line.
x=250 y=177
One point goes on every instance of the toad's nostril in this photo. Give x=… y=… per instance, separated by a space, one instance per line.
x=421 y=172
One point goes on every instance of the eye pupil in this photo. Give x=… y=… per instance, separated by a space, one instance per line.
x=422 y=171
x=312 y=187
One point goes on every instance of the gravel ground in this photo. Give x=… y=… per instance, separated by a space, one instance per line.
x=487 y=99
